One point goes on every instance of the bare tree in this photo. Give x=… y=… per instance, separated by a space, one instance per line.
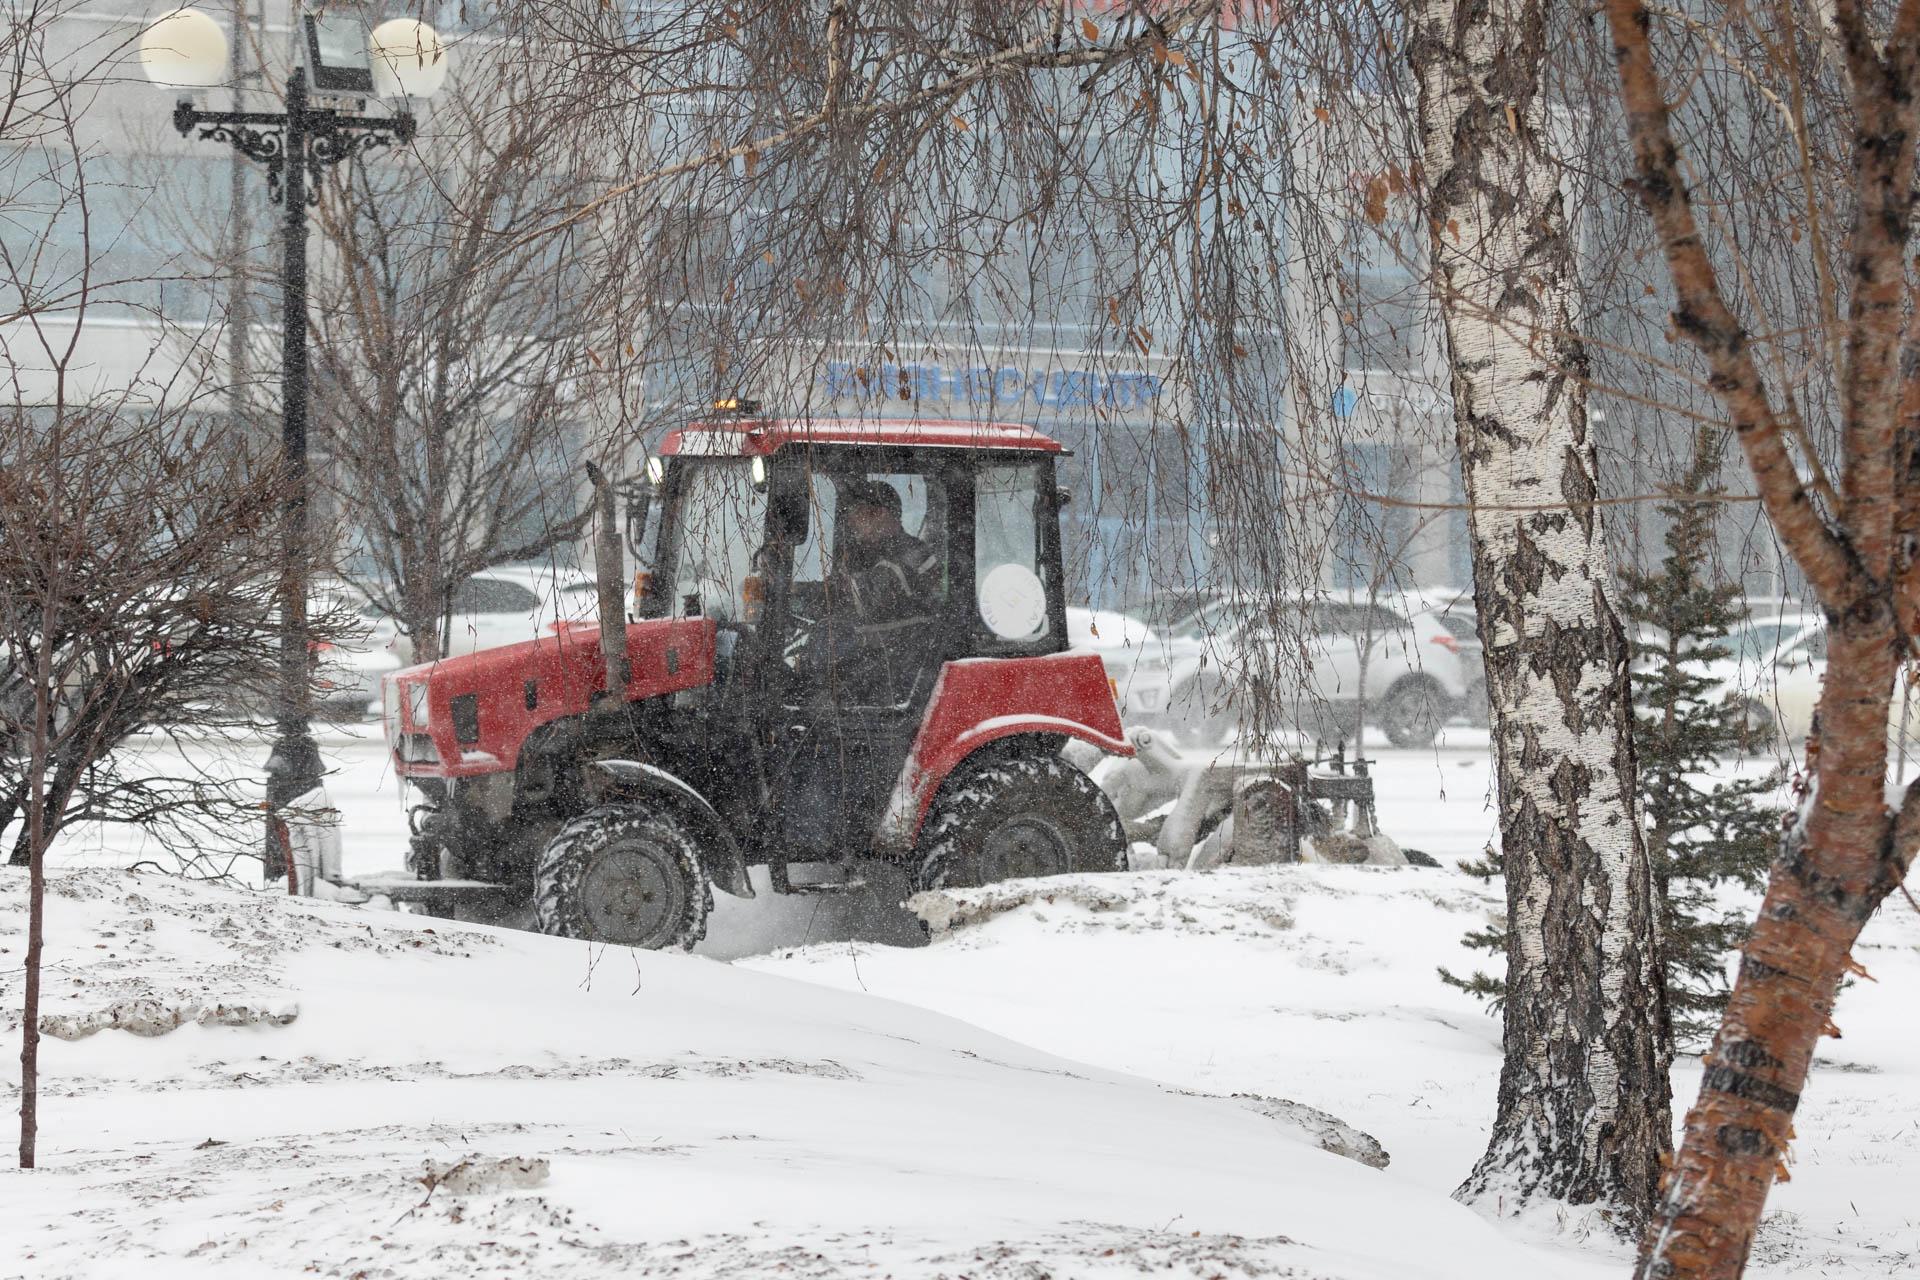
x=449 y=368
x=1839 y=92
x=136 y=557
x=134 y=582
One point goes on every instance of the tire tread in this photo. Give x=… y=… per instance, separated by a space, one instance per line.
x=968 y=804
x=556 y=911
x=1431 y=696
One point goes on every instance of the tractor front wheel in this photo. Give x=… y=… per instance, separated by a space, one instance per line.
x=626 y=875
x=1014 y=817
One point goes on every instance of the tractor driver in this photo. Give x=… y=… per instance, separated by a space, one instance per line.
x=868 y=649
x=889 y=577
x=884 y=590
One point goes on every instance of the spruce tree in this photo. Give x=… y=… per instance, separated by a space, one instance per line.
x=1482 y=985
x=1701 y=833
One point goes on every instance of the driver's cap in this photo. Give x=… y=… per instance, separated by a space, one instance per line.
x=856 y=491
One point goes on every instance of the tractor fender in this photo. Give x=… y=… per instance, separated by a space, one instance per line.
x=995 y=704
x=719 y=851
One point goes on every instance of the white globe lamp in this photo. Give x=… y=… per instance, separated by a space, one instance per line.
x=184 y=49
x=408 y=59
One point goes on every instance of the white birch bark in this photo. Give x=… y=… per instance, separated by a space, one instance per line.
x=1583 y=1109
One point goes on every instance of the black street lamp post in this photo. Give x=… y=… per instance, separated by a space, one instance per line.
x=296 y=146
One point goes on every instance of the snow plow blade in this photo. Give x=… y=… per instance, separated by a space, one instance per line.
x=1200 y=811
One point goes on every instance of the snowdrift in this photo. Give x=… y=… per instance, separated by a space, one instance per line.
x=246 y=1085
x=1314 y=982
x=1318 y=983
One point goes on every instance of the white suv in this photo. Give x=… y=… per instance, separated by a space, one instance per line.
x=508 y=604
x=1330 y=661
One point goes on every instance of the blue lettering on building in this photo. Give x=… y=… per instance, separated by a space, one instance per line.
x=1005 y=385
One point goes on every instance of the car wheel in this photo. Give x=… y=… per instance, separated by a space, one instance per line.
x=1477 y=706
x=1412 y=713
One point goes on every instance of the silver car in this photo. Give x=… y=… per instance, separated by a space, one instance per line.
x=1318 y=666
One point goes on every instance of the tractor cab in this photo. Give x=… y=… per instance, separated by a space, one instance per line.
x=843 y=640
x=845 y=571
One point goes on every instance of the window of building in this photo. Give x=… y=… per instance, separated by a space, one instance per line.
x=1383 y=299
x=1371 y=538
x=110 y=232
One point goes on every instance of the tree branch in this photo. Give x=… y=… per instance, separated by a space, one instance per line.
x=1705 y=320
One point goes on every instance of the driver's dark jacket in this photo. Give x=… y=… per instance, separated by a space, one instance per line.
x=890 y=584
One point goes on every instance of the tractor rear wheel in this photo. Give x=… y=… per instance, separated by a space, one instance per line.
x=627 y=875
x=1018 y=816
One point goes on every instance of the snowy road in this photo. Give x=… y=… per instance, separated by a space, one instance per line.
x=1437 y=800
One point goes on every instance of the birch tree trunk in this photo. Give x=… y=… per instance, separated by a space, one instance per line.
x=1583 y=1114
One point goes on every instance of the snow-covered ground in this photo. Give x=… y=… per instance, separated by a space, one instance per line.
x=260 y=1086
x=1016 y=1099
x=1317 y=983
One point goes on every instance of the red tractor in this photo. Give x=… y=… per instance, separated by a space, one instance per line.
x=847 y=641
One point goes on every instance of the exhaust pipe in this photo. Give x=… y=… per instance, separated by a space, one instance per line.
x=610 y=576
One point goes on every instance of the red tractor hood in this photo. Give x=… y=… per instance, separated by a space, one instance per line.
x=461 y=717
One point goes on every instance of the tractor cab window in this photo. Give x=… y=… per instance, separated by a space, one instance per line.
x=720 y=523
x=1012 y=570
x=870 y=581
x=812 y=557
x=835 y=527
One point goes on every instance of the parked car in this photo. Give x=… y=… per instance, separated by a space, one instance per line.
x=353 y=645
x=511 y=603
x=494 y=607
x=1752 y=643
x=1453 y=609
x=1775 y=674
x=363 y=645
x=1120 y=639
x=1329 y=655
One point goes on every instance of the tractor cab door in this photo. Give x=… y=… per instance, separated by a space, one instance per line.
x=866 y=620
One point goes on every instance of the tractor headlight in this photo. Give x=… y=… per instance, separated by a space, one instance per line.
x=416 y=704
